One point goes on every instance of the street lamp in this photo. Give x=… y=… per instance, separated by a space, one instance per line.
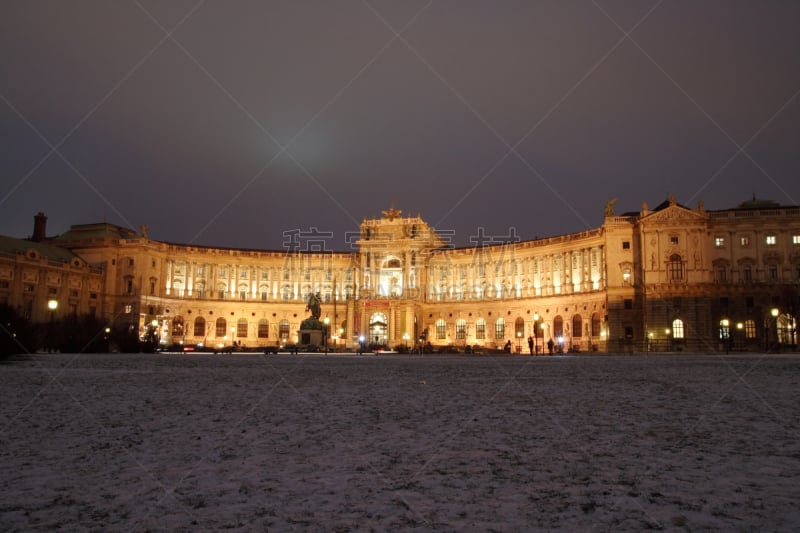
x=726 y=334
x=519 y=342
x=535 y=333
x=52 y=305
x=405 y=338
x=326 y=321
x=774 y=312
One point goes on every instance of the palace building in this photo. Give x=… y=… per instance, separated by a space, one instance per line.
x=671 y=278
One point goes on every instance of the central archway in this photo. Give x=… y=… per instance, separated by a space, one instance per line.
x=378 y=329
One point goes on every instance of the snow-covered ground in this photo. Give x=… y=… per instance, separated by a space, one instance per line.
x=451 y=443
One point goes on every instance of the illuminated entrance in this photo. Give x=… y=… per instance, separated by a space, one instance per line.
x=378 y=329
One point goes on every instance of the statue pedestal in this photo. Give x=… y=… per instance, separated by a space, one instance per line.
x=311 y=336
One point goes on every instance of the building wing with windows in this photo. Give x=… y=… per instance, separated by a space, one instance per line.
x=670 y=278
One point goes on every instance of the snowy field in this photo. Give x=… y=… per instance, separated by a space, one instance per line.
x=356 y=443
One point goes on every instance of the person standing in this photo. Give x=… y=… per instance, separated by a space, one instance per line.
x=550 y=345
x=530 y=344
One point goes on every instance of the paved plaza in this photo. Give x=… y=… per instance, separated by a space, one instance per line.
x=400 y=442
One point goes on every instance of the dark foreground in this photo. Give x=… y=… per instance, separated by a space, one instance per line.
x=338 y=443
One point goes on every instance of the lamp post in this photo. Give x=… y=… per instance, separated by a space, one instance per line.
x=726 y=333
x=405 y=339
x=326 y=321
x=519 y=342
x=739 y=328
x=774 y=312
x=52 y=305
x=535 y=333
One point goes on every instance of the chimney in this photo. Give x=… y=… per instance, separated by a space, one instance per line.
x=39 y=227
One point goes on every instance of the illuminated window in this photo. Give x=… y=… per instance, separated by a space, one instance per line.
x=283 y=329
x=675 y=268
x=626 y=276
x=744 y=242
x=577 y=326
x=719 y=242
x=441 y=329
x=177 y=326
x=500 y=329
x=677 y=328
x=221 y=326
x=771 y=240
x=795 y=239
x=461 y=329
x=241 y=328
x=519 y=327
x=480 y=329
x=263 y=329
x=750 y=329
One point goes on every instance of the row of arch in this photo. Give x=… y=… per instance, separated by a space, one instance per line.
x=201 y=328
x=574 y=326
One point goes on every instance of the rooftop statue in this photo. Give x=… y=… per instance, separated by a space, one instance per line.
x=610 y=207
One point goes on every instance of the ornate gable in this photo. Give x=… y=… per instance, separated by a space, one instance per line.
x=675 y=214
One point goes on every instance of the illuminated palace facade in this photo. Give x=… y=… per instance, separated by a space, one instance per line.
x=669 y=278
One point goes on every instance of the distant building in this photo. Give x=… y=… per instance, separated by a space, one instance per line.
x=670 y=278
x=41 y=281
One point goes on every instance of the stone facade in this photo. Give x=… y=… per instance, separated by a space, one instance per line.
x=670 y=278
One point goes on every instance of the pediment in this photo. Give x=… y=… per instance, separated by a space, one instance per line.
x=674 y=213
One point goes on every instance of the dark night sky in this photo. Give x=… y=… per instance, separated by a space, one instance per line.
x=252 y=118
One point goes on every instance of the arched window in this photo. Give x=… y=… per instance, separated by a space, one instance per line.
x=283 y=329
x=441 y=329
x=263 y=329
x=675 y=268
x=500 y=329
x=199 y=327
x=558 y=326
x=221 y=326
x=241 y=328
x=480 y=329
x=461 y=329
x=596 y=324
x=677 y=329
x=577 y=326
x=519 y=327
x=177 y=326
